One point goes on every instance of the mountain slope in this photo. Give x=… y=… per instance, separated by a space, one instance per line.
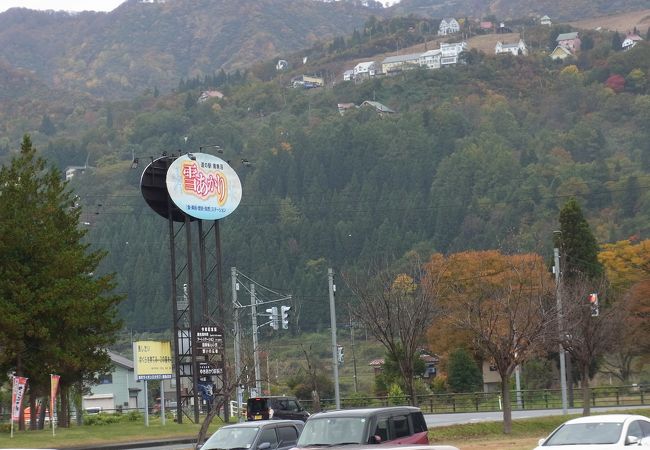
x=516 y=9
x=142 y=45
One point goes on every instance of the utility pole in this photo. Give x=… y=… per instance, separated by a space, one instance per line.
x=558 y=297
x=354 y=357
x=335 y=359
x=256 y=356
x=235 y=311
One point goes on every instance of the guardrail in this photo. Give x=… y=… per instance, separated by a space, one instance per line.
x=491 y=401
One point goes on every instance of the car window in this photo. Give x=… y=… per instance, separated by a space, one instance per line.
x=293 y=405
x=332 y=431
x=635 y=429
x=586 y=433
x=231 y=437
x=269 y=436
x=419 y=424
x=645 y=427
x=281 y=404
x=400 y=427
x=382 y=429
x=287 y=435
x=256 y=405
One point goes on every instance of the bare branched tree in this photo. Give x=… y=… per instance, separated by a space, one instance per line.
x=587 y=336
x=397 y=309
x=509 y=312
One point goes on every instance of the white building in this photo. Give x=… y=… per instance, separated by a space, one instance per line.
x=450 y=52
x=348 y=75
x=630 y=41
x=545 y=20
x=430 y=59
x=516 y=49
x=448 y=26
x=365 y=69
x=400 y=62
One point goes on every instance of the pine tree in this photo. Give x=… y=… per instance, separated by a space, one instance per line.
x=578 y=244
x=56 y=314
x=617 y=44
x=463 y=375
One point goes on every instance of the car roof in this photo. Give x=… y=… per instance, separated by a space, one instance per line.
x=607 y=418
x=396 y=447
x=265 y=423
x=289 y=397
x=366 y=412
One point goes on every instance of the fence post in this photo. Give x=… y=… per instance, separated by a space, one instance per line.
x=476 y=401
x=453 y=402
x=593 y=398
x=618 y=400
x=431 y=404
x=642 y=402
x=546 y=399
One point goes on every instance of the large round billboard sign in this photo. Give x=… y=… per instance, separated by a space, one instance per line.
x=203 y=186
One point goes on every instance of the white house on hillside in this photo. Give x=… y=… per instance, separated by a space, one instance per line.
x=365 y=69
x=450 y=52
x=630 y=41
x=545 y=20
x=430 y=59
x=516 y=49
x=400 y=62
x=448 y=26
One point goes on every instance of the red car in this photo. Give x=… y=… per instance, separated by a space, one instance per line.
x=398 y=425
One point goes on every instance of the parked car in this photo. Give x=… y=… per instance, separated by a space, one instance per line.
x=604 y=432
x=275 y=407
x=258 y=435
x=398 y=425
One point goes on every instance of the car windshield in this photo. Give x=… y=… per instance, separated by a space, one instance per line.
x=586 y=433
x=333 y=431
x=231 y=437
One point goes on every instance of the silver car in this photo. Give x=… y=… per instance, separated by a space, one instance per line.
x=257 y=435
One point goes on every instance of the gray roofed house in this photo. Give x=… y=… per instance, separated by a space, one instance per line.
x=569 y=41
x=379 y=107
x=400 y=62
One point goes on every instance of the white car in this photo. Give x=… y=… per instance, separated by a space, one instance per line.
x=604 y=432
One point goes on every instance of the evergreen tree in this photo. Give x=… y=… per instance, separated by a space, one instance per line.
x=578 y=244
x=617 y=44
x=47 y=127
x=56 y=314
x=463 y=374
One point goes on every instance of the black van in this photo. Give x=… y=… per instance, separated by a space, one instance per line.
x=280 y=407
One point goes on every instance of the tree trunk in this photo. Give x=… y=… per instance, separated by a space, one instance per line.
x=32 y=409
x=507 y=407
x=569 y=377
x=64 y=413
x=315 y=400
x=586 y=405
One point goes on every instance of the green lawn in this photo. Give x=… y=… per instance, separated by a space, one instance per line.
x=90 y=435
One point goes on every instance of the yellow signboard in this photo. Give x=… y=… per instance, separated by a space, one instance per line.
x=153 y=360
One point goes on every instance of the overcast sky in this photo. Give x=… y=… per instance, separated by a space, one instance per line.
x=66 y=5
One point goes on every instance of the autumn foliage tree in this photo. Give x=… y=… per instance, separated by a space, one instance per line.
x=398 y=309
x=588 y=335
x=505 y=304
x=627 y=266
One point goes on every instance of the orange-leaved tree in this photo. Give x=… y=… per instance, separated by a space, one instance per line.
x=505 y=306
x=627 y=266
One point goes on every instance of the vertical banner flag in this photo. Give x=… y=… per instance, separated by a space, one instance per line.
x=54 y=388
x=17 y=394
